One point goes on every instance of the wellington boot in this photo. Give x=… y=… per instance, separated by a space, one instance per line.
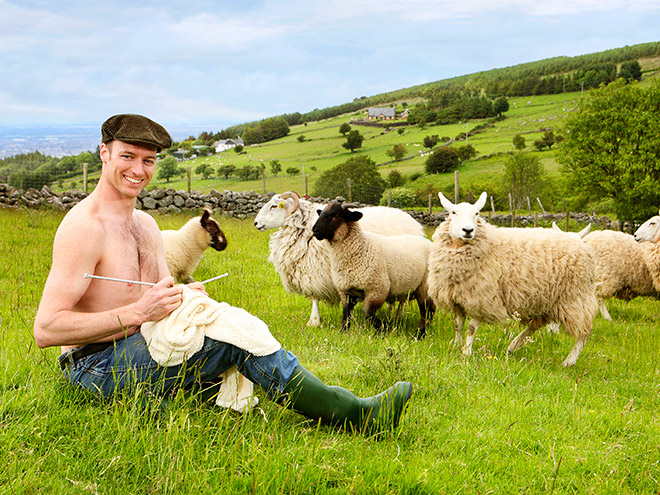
x=336 y=406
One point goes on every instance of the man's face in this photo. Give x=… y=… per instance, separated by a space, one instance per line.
x=128 y=167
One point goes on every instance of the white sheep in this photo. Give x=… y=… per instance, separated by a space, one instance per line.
x=621 y=267
x=184 y=247
x=373 y=267
x=496 y=274
x=302 y=261
x=648 y=235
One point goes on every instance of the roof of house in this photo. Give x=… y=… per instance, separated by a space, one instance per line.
x=384 y=111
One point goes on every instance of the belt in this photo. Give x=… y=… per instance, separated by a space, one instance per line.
x=84 y=351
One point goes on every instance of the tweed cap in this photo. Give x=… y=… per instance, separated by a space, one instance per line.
x=135 y=129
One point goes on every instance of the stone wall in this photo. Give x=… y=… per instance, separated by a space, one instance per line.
x=246 y=204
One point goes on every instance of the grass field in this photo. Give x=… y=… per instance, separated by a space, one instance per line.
x=491 y=424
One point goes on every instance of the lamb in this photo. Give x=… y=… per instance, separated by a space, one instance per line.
x=493 y=274
x=302 y=261
x=373 y=267
x=184 y=247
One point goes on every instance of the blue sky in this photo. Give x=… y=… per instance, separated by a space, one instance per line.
x=220 y=63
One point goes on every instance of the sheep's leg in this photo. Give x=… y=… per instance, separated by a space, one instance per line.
x=469 y=339
x=426 y=311
x=348 y=302
x=575 y=352
x=603 y=311
x=315 y=316
x=459 y=323
x=521 y=338
x=370 y=308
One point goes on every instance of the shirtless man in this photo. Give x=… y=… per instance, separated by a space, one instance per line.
x=97 y=323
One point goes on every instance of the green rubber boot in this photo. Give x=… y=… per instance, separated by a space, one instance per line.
x=336 y=406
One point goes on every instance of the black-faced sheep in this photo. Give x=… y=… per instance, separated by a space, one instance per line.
x=302 y=261
x=495 y=274
x=184 y=247
x=373 y=267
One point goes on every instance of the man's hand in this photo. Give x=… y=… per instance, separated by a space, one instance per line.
x=198 y=286
x=160 y=300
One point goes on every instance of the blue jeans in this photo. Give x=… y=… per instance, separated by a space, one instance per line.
x=128 y=363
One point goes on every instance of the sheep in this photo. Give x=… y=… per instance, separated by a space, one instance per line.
x=493 y=274
x=373 y=267
x=300 y=260
x=622 y=269
x=184 y=247
x=648 y=235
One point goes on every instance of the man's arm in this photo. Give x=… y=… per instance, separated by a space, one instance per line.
x=77 y=249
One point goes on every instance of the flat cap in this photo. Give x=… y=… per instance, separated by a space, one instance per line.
x=135 y=129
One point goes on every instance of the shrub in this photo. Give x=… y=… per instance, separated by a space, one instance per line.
x=401 y=198
x=367 y=185
x=442 y=160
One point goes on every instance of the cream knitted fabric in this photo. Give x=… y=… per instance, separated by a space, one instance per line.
x=181 y=334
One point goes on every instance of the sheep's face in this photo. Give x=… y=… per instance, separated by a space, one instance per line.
x=332 y=218
x=463 y=217
x=273 y=214
x=649 y=230
x=218 y=239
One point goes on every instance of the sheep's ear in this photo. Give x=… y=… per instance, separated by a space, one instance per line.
x=481 y=202
x=446 y=204
x=354 y=216
x=205 y=216
x=556 y=227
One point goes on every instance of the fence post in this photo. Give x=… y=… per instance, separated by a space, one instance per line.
x=492 y=205
x=568 y=216
x=540 y=204
x=389 y=197
x=348 y=186
x=457 y=195
x=430 y=203
x=511 y=208
x=529 y=206
x=305 y=184
x=263 y=182
x=189 y=173
x=536 y=219
x=85 y=177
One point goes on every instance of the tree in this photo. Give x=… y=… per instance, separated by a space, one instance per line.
x=395 y=179
x=466 y=152
x=292 y=171
x=430 y=141
x=169 y=167
x=519 y=142
x=275 y=167
x=344 y=128
x=612 y=148
x=523 y=177
x=631 y=70
x=500 y=105
x=367 y=185
x=442 y=160
x=226 y=171
x=205 y=170
x=301 y=138
x=546 y=141
x=353 y=141
x=397 y=152
x=238 y=148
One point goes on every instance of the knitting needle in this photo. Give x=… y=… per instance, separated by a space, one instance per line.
x=87 y=275
x=214 y=278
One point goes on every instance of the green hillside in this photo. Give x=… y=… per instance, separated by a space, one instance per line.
x=321 y=145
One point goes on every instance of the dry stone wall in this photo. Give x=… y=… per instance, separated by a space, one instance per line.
x=245 y=204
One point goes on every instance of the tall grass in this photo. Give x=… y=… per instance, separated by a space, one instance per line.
x=492 y=424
